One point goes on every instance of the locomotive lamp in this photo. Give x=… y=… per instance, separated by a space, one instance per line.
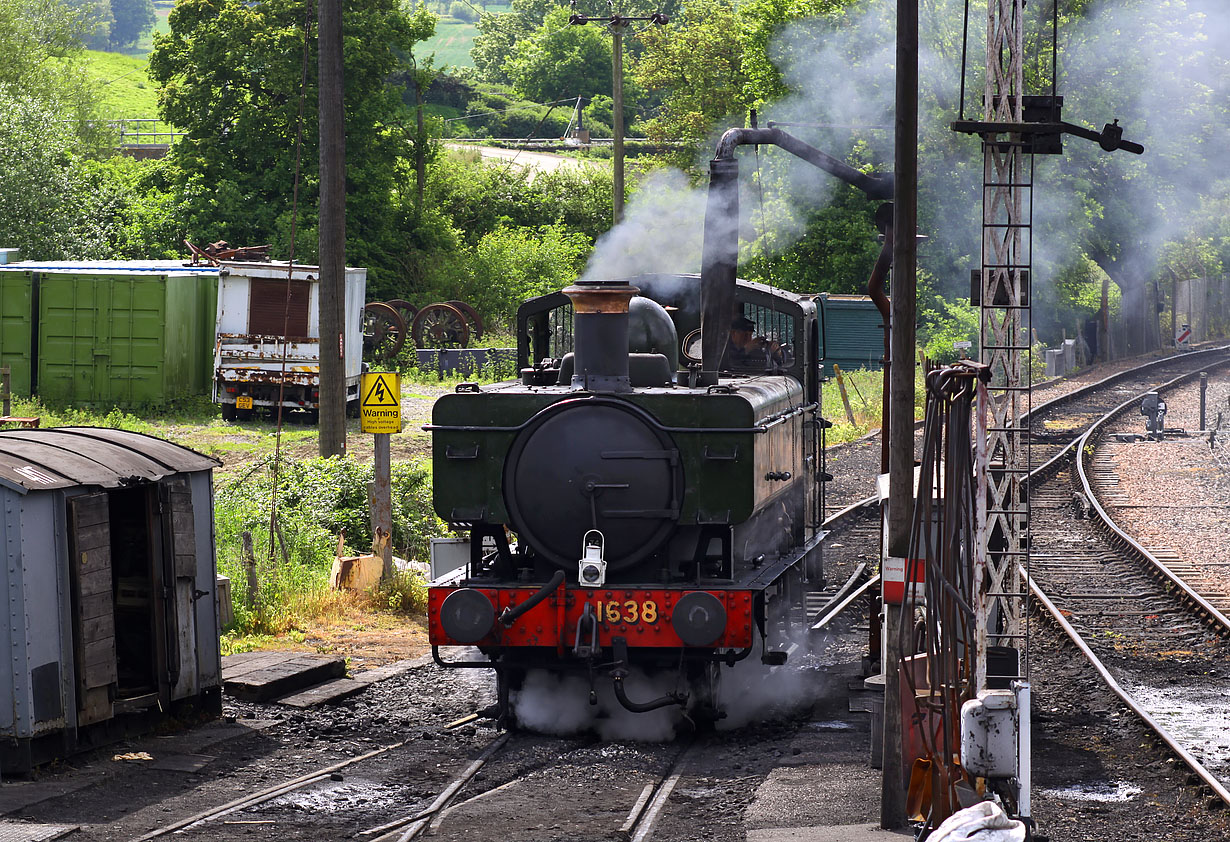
x=591 y=570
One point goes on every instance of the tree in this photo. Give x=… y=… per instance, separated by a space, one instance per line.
x=696 y=61
x=558 y=61
x=48 y=205
x=40 y=57
x=133 y=18
x=497 y=33
x=231 y=77
x=1163 y=71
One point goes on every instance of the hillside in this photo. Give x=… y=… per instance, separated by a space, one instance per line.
x=127 y=92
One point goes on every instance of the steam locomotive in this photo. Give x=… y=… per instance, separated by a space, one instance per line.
x=645 y=496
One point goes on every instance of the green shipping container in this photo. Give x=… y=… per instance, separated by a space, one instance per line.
x=116 y=335
x=16 y=339
x=853 y=333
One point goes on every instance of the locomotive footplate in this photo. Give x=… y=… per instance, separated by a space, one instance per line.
x=572 y=619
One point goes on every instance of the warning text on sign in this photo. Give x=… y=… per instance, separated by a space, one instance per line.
x=380 y=402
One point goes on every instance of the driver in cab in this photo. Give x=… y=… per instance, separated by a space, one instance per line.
x=745 y=350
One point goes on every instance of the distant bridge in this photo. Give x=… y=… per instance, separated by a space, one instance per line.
x=138 y=137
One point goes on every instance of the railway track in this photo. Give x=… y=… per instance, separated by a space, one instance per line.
x=1152 y=637
x=629 y=784
x=1056 y=425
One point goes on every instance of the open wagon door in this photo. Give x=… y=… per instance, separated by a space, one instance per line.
x=178 y=575
x=89 y=541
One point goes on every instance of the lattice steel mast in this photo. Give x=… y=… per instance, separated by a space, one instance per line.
x=1007 y=239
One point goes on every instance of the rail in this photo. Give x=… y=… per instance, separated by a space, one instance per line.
x=1119 y=537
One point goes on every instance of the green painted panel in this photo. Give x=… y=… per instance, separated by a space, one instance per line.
x=123 y=338
x=468 y=465
x=853 y=334
x=16 y=321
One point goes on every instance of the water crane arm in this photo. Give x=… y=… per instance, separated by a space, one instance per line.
x=875 y=186
x=720 y=252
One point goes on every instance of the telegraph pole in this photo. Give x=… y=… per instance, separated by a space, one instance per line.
x=901 y=396
x=617 y=24
x=332 y=232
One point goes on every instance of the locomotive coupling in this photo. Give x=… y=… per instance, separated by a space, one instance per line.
x=620 y=671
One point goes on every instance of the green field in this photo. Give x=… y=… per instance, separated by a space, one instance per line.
x=126 y=89
x=451 y=43
x=453 y=38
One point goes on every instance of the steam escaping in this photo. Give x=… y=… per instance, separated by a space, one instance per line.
x=753 y=692
x=559 y=705
x=749 y=692
x=660 y=232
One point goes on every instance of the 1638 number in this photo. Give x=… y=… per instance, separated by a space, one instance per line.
x=628 y=612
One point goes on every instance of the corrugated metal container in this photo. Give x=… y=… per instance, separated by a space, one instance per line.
x=16 y=329
x=852 y=332
x=114 y=333
x=109 y=586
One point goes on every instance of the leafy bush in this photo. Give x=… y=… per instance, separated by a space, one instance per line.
x=317 y=500
x=945 y=322
x=48 y=205
x=462 y=11
x=510 y=265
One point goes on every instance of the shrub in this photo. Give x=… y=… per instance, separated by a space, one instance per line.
x=317 y=500
x=462 y=11
x=944 y=323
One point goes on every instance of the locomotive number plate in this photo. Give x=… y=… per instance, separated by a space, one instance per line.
x=243 y=402
x=629 y=611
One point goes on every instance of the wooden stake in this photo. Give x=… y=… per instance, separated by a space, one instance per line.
x=249 y=567
x=845 y=397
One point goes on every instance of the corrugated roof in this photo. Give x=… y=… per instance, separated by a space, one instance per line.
x=63 y=457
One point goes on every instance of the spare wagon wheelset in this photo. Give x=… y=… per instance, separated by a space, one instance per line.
x=440 y=326
x=384 y=331
x=474 y=320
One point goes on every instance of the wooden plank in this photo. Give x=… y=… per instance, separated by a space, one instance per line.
x=98 y=651
x=100 y=675
x=90 y=509
x=103 y=626
x=93 y=705
x=95 y=537
x=328 y=692
x=243 y=663
x=91 y=582
x=286 y=677
x=97 y=605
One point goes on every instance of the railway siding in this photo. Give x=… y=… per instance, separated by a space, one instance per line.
x=1173 y=496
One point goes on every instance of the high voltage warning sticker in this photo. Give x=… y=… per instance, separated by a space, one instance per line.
x=380 y=404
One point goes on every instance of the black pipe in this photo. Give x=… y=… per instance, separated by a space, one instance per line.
x=720 y=251
x=875 y=289
x=875 y=186
x=669 y=699
x=719 y=263
x=510 y=615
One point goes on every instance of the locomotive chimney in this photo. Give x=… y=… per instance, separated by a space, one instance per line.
x=600 y=335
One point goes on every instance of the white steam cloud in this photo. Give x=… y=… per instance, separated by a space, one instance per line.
x=660 y=232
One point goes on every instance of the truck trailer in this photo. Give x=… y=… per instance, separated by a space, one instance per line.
x=267 y=342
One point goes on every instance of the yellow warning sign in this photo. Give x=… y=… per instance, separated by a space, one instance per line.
x=380 y=402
